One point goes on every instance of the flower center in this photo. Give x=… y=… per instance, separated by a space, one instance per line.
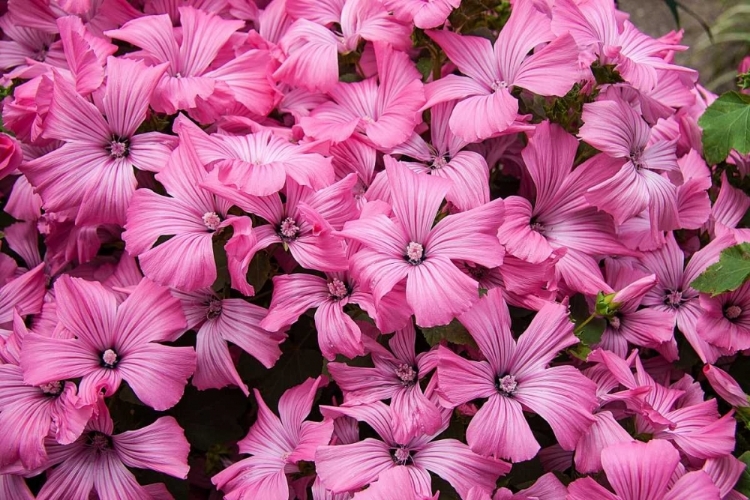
x=407 y=374
x=99 y=441
x=52 y=388
x=337 y=289
x=614 y=322
x=214 y=309
x=537 y=227
x=673 y=298
x=401 y=456
x=499 y=84
x=414 y=253
x=637 y=158
x=507 y=385
x=288 y=229
x=212 y=221
x=118 y=147
x=41 y=55
x=439 y=163
x=732 y=312
x=109 y=359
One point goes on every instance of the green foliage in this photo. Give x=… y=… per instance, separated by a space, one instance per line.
x=453 y=332
x=726 y=126
x=589 y=327
x=743 y=485
x=730 y=273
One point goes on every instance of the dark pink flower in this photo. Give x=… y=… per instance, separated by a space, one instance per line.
x=112 y=342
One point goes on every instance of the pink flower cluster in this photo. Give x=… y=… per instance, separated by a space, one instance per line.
x=162 y=149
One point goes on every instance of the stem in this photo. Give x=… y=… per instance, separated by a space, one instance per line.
x=579 y=328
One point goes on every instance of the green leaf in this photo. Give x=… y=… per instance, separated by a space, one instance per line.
x=726 y=126
x=454 y=332
x=424 y=65
x=730 y=273
x=672 y=4
x=259 y=270
x=743 y=485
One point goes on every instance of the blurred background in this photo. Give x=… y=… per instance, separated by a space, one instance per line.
x=717 y=59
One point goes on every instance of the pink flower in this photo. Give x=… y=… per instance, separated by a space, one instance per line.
x=396 y=376
x=192 y=216
x=643 y=471
x=725 y=321
x=10 y=155
x=486 y=107
x=596 y=30
x=615 y=128
x=424 y=15
x=192 y=82
x=276 y=445
x=560 y=220
x=384 y=109
x=304 y=225
x=349 y=467
x=516 y=377
x=93 y=171
x=113 y=343
x=725 y=386
x=220 y=321
x=257 y=164
x=337 y=333
x=644 y=327
x=393 y=480
x=410 y=248
x=312 y=49
x=29 y=414
x=467 y=170
x=673 y=296
x=97 y=460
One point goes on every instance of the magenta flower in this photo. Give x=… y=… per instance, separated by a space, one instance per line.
x=516 y=378
x=643 y=327
x=293 y=294
x=219 y=321
x=98 y=460
x=396 y=376
x=644 y=471
x=349 y=467
x=276 y=445
x=93 y=171
x=674 y=297
x=257 y=164
x=410 y=248
x=725 y=386
x=191 y=216
x=600 y=34
x=29 y=414
x=193 y=82
x=486 y=107
x=384 y=109
x=560 y=220
x=725 y=321
x=304 y=224
x=312 y=49
x=113 y=343
x=615 y=128
x=14 y=487
x=445 y=157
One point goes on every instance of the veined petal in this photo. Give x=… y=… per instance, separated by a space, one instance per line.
x=160 y=446
x=500 y=430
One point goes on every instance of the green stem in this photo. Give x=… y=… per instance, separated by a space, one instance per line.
x=579 y=328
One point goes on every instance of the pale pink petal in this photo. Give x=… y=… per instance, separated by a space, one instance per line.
x=497 y=110
x=157 y=373
x=453 y=461
x=471 y=54
x=694 y=485
x=550 y=332
x=160 y=446
x=563 y=397
x=347 y=467
x=499 y=429
x=489 y=323
x=460 y=380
